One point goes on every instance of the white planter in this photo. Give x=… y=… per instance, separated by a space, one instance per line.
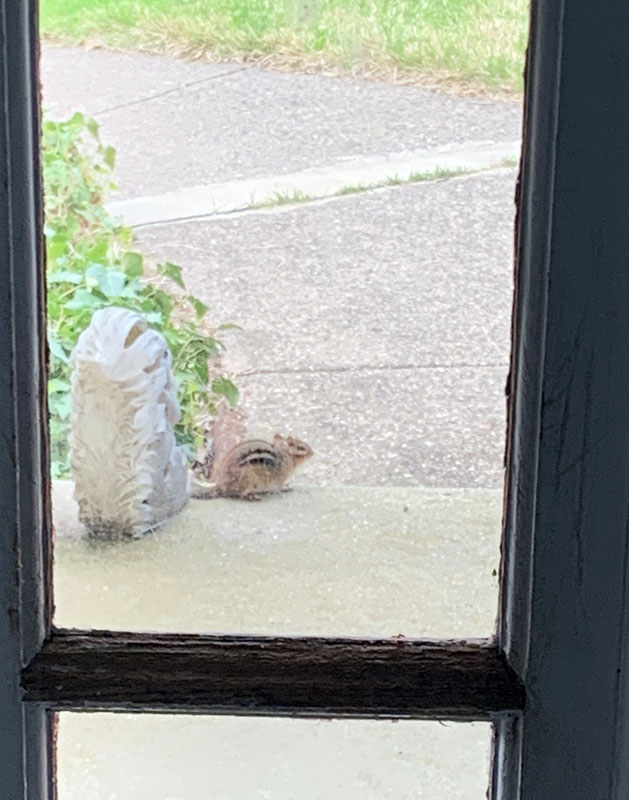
x=129 y=474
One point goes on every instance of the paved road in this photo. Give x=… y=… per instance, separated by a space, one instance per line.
x=375 y=325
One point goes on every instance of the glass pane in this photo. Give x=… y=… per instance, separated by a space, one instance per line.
x=331 y=561
x=316 y=247
x=164 y=757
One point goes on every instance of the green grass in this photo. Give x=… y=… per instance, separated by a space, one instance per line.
x=294 y=198
x=440 y=173
x=471 y=43
x=281 y=199
x=356 y=188
x=437 y=174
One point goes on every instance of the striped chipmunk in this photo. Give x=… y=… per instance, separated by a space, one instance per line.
x=253 y=468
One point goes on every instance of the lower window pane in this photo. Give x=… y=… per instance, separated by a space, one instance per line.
x=387 y=563
x=105 y=756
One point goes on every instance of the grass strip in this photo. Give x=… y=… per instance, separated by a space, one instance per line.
x=468 y=44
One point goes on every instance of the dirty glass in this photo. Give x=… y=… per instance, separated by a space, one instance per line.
x=313 y=222
x=160 y=757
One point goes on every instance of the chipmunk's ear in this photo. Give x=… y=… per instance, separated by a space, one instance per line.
x=290 y=440
x=278 y=437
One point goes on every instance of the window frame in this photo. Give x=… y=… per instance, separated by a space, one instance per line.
x=26 y=733
x=554 y=681
x=564 y=619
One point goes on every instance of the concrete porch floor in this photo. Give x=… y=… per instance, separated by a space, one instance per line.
x=363 y=561
x=355 y=561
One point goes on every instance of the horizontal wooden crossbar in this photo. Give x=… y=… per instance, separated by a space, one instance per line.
x=308 y=677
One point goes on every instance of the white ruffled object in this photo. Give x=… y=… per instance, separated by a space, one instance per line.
x=129 y=474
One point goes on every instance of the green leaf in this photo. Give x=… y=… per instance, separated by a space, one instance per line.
x=203 y=371
x=133 y=265
x=95 y=274
x=163 y=301
x=56 y=246
x=77 y=120
x=93 y=127
x=58 y=429
x=111 y=282
x=98 y=252
x=65 y=276
x=116 y=281
x=173 y=272
x=228 y=326
x=83 y=299
x=57 y=385
x=56 y=348
x=199 y=307
x=55 y=306
x=109 y=157
x=225 y=387
x=61 y=405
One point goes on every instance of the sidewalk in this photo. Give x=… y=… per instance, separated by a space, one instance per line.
x=177 y=124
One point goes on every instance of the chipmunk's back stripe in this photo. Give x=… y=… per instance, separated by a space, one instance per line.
x=259 y=457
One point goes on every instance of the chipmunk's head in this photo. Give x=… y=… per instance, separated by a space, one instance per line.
x=300 y=451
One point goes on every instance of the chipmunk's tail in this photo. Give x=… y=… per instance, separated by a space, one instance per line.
x=202 y=491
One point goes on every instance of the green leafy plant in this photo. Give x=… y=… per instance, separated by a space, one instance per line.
x=91 y=264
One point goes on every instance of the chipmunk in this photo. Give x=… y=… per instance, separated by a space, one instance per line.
x=255 y=467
